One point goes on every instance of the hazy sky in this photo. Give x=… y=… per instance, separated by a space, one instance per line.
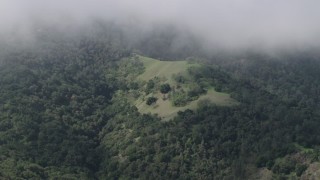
x=228 y=23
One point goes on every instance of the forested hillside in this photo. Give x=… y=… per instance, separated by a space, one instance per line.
x=61 y=115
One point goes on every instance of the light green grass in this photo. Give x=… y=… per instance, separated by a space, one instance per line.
x=218 y=98
x=165 y=70
x=166 y=110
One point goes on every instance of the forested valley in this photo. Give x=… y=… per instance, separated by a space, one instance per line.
x=61 y=118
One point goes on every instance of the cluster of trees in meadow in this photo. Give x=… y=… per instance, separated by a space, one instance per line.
x=180 y=93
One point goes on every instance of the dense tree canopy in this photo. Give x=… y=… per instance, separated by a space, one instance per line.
x=61 y=117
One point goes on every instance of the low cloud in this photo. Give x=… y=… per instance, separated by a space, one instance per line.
x=227 y=24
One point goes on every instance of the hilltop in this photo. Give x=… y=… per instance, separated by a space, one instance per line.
x=186 y=92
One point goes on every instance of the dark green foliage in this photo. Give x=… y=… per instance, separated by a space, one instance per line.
x=180 y=98
x=195 y=91
x=218 y=88
x=262 y=161
x=60 y=117
x=285 y=166
x=150 y=86
x=179 y=78
x=151 y=100
x=165 y=88
x=54 y=103
x=300 y=168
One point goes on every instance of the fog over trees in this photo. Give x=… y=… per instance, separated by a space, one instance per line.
x=226 y=24
x=171 y=89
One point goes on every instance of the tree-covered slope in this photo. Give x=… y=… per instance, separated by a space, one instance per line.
x=62 y=116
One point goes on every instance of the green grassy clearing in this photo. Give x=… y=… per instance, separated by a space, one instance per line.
x=166 y=110
x=165 y=70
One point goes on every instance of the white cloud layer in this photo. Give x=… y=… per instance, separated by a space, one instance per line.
x=226 y=23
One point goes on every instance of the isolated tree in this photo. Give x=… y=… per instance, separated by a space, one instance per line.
x=151 y=100
x=165 y=88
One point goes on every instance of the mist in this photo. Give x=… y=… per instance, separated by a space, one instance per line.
x=232 y=25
